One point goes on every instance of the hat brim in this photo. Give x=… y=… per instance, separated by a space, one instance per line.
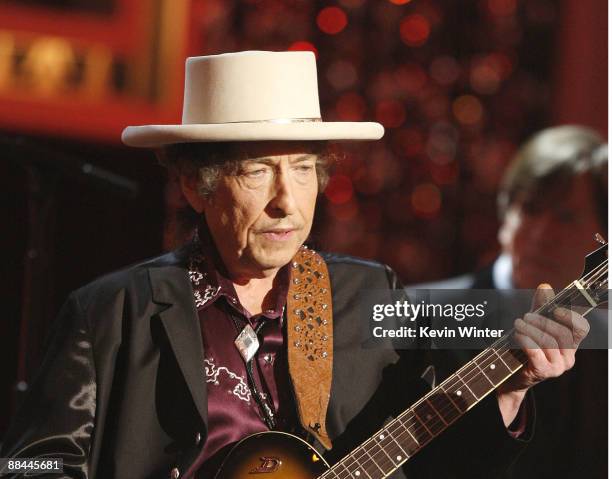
x=152 y=136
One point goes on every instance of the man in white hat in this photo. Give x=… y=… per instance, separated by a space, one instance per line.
x=154 y=371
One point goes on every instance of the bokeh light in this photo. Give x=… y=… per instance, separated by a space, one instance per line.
x=426 y=200
x=409 y=141
x=341 y=74
x=344 y=211
x=400 y=2
x=391 y=113
x=487 y=72
x=351 y=107
x=468 y=110
x=414 y=30
x=332 y=20
x=444 y=70
x=444 y=174
x=303 y=45
x=410 y=78
x=339 y=189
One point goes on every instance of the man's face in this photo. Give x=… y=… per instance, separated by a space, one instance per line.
x=548 y=234
x=261 y=215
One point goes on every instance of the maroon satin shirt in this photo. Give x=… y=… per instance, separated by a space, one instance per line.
x=232 y=411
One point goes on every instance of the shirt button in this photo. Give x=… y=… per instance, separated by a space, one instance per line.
x=174 y=473
x=198 y=439
x=268 y=358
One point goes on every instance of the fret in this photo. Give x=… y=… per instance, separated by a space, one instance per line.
x=339 y=470
x=501 y=358
x=440 y=414
x=331 y=474
x=390 y=444
x=429 y=418
x=458 y=392
x=403 y=437
x=474 y=380
x=495 y=371
x=515 y=356
x=464 y=389
x=354 y=468
x=444 y=406
x=370 y=458
x=417 y=429
x=585 y=293
x=454 y=393
x=405 y=426
x=384 y=460
x=483 y=373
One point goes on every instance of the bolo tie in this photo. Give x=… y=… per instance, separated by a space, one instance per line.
x=247 y=344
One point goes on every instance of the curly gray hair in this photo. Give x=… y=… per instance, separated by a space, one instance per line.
x=208 y=161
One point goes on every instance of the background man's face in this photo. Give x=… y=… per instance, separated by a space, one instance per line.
x=260 y=216
x=549 y=233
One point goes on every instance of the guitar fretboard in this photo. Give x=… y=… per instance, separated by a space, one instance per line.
x=404 y=436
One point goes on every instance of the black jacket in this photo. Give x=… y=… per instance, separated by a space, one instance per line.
x=122 y=394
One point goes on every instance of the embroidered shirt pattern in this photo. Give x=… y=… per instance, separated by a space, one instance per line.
x=240 y=390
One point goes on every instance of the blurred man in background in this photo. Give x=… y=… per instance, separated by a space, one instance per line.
x=552 y=200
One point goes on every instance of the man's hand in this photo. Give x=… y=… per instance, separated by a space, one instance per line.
x=550 y=347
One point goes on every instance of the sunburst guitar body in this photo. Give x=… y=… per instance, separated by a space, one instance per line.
x=272 y=455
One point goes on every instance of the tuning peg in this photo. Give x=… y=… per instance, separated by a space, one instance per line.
x=600 y=239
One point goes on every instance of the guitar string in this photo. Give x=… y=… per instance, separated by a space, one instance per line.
x=407 y=429
x=418 y=424
x=492 y=354
x=503 y=341
x=481 y=364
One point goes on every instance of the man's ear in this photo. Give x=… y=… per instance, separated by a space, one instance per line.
x=189 y=187
x=507 y=230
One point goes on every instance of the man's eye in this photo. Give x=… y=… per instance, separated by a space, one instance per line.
x=254 y=173
x=304 y=168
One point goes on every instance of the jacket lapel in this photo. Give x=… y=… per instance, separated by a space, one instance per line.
x=171 y=287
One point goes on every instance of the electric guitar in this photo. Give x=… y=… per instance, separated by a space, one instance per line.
x=282 y=456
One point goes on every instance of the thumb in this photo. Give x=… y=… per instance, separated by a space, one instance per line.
x=543 y=294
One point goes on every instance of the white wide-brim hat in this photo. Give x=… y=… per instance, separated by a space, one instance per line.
x=251 y=96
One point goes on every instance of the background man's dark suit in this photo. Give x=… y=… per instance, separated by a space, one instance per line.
x=570 y=438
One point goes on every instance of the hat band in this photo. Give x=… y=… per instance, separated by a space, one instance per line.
x=274 y=120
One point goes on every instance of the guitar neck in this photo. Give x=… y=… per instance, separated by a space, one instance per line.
x=404 y=436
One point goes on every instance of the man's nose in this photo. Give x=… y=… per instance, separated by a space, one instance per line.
x=540 y=229
x=282 y=197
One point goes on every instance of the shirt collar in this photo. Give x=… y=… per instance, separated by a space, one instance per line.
x=502 y=272
x=210 y=281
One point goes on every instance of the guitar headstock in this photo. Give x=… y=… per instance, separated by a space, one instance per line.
x=594 y=278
